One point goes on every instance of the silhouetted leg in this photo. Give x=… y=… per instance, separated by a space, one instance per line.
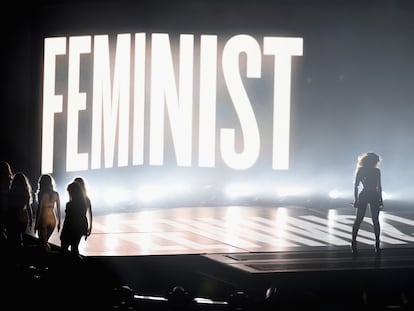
x=50 y=230
x=75 y=247
x=43 y=236
x=64 y=246
x=361 y=209
x=377 y=230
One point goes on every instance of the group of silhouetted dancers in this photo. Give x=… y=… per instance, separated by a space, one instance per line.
x=17 y=200
x=39 y=212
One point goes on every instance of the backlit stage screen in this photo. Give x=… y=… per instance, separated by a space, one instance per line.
x=197 y=102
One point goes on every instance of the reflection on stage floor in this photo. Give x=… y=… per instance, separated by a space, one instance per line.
x=240 y=229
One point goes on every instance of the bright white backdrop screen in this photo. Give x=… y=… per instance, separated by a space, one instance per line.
x=107 y=90
x=270 y=99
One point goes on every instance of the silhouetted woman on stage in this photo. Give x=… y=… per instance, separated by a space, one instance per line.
x=88 y=203
x=5 y=180
x=75 y=225
x=19 y=212
x=369 y=175
x=48 y=199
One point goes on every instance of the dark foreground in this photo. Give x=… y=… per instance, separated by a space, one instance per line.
x=297 y=281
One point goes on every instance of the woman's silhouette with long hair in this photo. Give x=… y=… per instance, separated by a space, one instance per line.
x=48 y=199
x=19 y=213
x=89 y=213
x=368 y=174
x=75 y=224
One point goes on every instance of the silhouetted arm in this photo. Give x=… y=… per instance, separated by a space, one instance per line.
x=30 y=213
x=380 y=189
x=356 y=188
x=38 y=211
x=59 y=214
x=90 y=217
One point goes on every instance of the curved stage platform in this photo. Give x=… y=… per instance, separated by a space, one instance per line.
x=300 y=252
x=209 y=230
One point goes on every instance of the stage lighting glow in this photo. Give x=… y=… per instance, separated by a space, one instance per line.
x=148 y=193
x=281 y=215
x=291 y=191
x=145 y=221
x=114 y=196
x=340 y=194
x=239 y=190
x=157 y=192
x=233 y=220
x=332 y=213
x=388 y=196
x=334 y=194
x=146 y=242
x=281 y=223
x=233 y=217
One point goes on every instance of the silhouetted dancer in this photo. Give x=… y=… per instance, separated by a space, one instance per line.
x=369 y=175
x=89 y=213
x=19 y=213
x=48 y=199
x=75 y=225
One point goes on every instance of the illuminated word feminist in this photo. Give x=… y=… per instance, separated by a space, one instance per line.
x=111 y=102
